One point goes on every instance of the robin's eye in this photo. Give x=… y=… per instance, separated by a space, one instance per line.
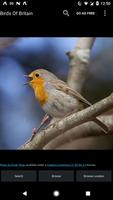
x=37 y=75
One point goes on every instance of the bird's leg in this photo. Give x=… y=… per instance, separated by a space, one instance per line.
x=44 y=120
x=36 y=130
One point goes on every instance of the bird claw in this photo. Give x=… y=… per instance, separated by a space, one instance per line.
x=36 y=130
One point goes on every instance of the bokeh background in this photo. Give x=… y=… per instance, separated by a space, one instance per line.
x=19 y=110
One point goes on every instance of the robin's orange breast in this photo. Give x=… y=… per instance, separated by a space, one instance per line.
x=39 y=89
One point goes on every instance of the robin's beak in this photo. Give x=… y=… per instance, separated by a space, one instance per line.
x=30 y=79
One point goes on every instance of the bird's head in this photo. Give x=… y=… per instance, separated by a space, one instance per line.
x=39 y=76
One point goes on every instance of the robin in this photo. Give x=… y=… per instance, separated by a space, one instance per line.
x=56 y=98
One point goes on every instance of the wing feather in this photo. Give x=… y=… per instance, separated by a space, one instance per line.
x=62 y=86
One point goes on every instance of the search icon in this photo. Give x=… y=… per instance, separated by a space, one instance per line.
x=65 y=12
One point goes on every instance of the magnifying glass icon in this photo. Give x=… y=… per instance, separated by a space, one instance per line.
x=65 y=12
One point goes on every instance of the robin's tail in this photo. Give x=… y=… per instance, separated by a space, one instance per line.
x=104 y=128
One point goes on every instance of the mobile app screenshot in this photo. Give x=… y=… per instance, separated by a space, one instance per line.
x=56 y=100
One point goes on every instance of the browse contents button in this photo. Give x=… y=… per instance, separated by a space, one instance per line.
x=94 y=176
x=18 y=176
x=56 y=176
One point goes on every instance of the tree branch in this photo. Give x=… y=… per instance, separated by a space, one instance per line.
x=89 y=129
x=79 y=63
x=67 y=123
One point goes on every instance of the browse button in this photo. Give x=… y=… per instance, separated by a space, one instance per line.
x=94 y=176
x=56 y=176
x=18 y=176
